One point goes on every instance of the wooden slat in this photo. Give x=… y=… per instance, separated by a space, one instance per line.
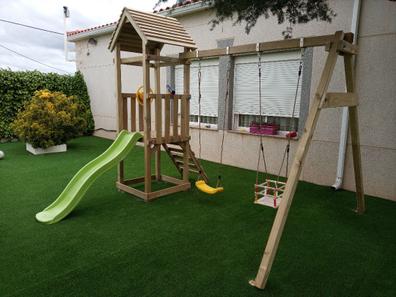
x=127 y=48
x=156 y=29
x=157 y=17
x=291 y=185
x=158 y=116
x=175 y=149
x=198 y=165
x=169 y=35
x=160 y=22
x=169 y=38
x=132 y=60
x=170 y=41
x=124 y=115
x=182 y=118
x=116 y=32
x=167 y=118
x=163 y=95
x=133 y=114
x=190 y=164
x=147 y=123
x=130 y=95
x=165 y=59
x=141 y=117
x=355 y=138
x=171 y=157
x=339 y=100
x=129 y=38
x=168 y=191
x=172 y=180
x=133 y=191
x=175 y=116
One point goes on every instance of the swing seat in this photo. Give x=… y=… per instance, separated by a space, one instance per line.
x=203 y=187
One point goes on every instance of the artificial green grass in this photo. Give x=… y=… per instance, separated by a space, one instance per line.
x=187 y=244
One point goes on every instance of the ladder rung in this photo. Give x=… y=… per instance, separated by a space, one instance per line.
x=189 y=164
x=177 y=154
x=178 y=157
x=175 y=149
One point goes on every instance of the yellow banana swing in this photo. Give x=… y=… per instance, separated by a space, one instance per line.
x=200 y=183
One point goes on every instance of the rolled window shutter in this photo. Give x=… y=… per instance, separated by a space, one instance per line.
x=209 y=86
x=278 y=85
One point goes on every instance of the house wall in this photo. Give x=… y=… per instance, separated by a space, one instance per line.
x=375 y=76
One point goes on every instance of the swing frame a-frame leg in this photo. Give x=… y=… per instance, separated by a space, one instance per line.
x=291 y=185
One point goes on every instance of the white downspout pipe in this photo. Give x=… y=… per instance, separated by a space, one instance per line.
x=345 y=114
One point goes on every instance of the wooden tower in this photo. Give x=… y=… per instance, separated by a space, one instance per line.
x=146 y=33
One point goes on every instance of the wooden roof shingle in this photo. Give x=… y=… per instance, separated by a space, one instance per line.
x=135 y=27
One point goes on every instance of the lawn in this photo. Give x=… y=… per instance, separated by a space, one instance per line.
x=187 y=244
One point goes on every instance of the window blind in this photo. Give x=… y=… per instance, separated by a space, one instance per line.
x=278 y=85
x=209 y=86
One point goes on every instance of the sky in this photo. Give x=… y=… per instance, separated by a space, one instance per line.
x=48 y=14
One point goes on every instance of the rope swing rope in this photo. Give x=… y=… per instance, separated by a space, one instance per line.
x=269 y=191
x=200 y=184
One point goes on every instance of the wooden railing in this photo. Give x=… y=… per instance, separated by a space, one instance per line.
x=166 y=124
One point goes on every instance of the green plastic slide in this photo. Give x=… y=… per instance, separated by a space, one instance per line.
x=85 y=177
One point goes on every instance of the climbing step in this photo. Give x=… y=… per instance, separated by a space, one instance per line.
x=176 y=154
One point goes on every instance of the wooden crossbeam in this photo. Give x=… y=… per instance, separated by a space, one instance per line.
x=137 y=61
x=332 y=100
x=273 y=46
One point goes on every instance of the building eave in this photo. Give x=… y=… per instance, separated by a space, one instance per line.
x=73 y=37
x=186 y=9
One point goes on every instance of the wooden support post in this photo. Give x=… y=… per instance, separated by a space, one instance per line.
x=133 y=114
x=167 y=118
x=147 y=119
x=355 y=139
x=141 y=118
x=175 y=116
x=125 y=114
x=158 y=114
x=291 y=185
x=185 y=120
x=120 y=105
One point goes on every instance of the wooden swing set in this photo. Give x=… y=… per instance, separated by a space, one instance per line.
x=146 y=34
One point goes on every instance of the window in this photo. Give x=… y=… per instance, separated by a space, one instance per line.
x=209 y=91
x=278 y=86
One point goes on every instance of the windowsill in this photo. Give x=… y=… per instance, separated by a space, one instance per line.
x=204 y=128
x=263 y=135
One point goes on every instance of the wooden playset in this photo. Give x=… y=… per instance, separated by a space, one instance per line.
x=146 y=34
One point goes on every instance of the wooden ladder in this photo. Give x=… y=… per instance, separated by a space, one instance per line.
x=176 y=154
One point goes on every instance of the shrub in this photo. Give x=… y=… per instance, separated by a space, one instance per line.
x=50 y=118
x=18 y=87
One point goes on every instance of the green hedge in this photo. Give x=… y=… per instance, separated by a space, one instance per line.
x=16 y=87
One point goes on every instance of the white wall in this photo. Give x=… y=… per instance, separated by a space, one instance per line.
x=376 y=74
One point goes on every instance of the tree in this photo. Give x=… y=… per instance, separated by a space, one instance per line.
x=291 y=11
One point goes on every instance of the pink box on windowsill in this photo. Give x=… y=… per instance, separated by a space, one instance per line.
x=263 y=129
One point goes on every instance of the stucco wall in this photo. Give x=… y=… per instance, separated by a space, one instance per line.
x=375 y=72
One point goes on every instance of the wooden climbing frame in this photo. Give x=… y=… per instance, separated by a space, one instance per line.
x=164 y=119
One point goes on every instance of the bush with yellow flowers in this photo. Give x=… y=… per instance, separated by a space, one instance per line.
x=50 y=118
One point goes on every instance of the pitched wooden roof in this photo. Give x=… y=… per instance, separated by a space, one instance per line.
x=135 y=27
